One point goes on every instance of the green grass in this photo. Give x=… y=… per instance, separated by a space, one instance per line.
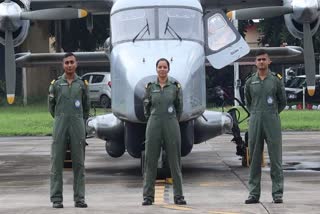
x=303 y=120
x=31 y=120
x=35 y=120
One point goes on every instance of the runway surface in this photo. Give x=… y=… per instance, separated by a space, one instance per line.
x=214 y=180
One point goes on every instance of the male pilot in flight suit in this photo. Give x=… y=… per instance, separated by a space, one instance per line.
x=69 y=105
x=265 y=98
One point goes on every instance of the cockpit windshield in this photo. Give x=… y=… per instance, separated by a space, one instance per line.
x=127 y=24
x=184 y=24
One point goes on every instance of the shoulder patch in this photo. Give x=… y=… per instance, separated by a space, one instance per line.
x=86 y=82
x=178 y=85
x=52 y=82
x=148 y=84
x=279 y=76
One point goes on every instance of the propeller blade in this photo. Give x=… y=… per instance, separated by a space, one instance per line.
x=259 y=12
x=54 y=14
x=309 y=61
x=10 y=67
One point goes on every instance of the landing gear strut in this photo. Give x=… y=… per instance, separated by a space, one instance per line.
x=242 y=146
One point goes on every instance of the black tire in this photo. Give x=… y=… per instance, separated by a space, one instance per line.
x=142 y=159
x=67 y=161
x=164 y=172
x=245 y=158
x=105 y=101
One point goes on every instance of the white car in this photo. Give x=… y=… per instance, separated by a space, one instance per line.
x=99 y=88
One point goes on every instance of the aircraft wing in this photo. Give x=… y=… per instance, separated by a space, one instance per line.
x=289 y=54
x=93 y=59
x=237 y=4
x=93 y=6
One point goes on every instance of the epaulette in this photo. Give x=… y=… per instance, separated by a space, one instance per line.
x=86 y=82
x=148 y=84
x=277 y=75
x=177 y=84
x=52 y=82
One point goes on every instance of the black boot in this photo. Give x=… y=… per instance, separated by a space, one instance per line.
x=179 y=200
x=147 y=202
x=57 y=204
x=278 y=200
x=80 y=204
x=251 y=200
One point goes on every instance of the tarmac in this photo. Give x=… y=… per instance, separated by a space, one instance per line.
x=214 y=180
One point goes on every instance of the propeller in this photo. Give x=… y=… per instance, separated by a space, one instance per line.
x=11 y=16
x=309 y=61
x=54 y=14
x=259 y=12
x=268 y=12
x=10 y=67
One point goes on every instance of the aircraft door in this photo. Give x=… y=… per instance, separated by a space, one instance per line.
x=223 y=43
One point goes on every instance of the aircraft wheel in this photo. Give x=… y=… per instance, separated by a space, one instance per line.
x=105 y=101
x=142 y=159
x=67 y=160
x=246 y=158
x=164 y=171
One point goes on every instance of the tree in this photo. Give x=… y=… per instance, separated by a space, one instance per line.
x=76 y=36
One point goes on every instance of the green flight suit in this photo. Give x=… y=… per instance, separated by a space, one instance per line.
x=265 y=99
x=163 y=108
x=69 y=105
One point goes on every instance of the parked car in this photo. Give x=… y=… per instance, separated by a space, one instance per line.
x=99 y=88
x=294 y=89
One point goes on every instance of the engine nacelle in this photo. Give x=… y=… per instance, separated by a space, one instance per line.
x=296 y=29
x=19 y=34
x=303 y=12
x=210 y=125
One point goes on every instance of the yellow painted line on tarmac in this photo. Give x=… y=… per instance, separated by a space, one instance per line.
x=222 y=212
x=176 y=207
x=159 y=192
x=169 y=181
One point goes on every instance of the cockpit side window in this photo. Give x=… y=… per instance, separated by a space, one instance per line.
x=219 y=33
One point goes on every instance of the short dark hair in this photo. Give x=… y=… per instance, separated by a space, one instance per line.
x=163 y=59
x=261 y=52
x=69 y=54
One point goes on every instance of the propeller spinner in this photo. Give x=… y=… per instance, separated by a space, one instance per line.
x=11 y=19
x=303 y=12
